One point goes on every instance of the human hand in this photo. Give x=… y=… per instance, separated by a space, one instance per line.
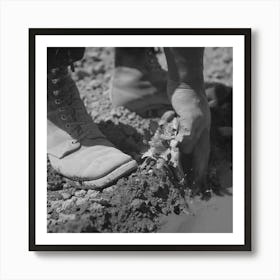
x=194 y=130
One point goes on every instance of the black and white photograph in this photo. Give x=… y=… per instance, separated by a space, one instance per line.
x=140 y=138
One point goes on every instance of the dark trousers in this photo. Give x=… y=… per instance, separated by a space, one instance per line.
x=63 y=56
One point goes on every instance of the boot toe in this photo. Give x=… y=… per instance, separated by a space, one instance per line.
x=138 y=92
x=96 y=166
x=104 y=161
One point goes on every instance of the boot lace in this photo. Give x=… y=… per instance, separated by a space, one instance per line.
x=69 y=105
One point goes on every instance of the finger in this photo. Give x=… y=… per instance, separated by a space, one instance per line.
x=201 y=159
x=189 y=134
x=167 y=117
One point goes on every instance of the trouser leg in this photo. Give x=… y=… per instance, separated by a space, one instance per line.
x=63 y=56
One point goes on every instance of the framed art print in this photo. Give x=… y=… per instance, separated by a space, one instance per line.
x=140 y=139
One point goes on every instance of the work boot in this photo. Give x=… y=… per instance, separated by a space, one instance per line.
x=76 y=147
x=186 y=91
x=139 y=83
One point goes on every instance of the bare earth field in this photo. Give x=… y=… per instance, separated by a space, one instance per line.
x=147 y=200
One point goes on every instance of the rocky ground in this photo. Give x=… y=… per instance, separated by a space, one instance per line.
x=138 y=202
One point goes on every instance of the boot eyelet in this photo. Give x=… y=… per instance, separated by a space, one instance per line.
x=55 y=81
x=68 y=125
x=54 y=70
x=61 y=109
x=63 y=117
x=56 y=92
x=57 y=101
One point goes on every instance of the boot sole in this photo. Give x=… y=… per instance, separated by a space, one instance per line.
x=109 y=179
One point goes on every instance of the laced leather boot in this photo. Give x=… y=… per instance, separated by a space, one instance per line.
x=139 y=83
x=76 y=147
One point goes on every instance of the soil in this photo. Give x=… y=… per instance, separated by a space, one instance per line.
x=148 y=200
